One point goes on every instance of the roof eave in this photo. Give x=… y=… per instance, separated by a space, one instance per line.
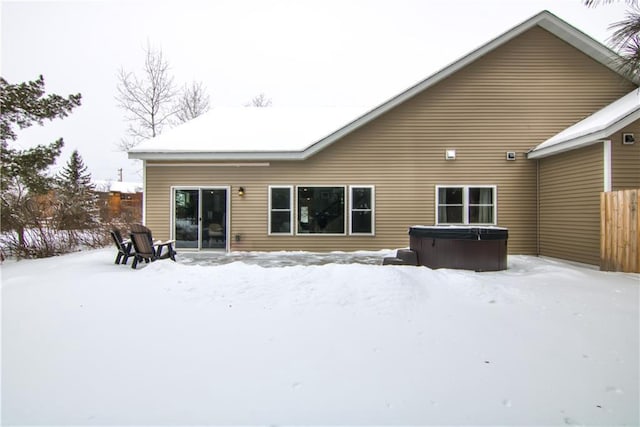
x=585 y=140
x=568 y=145
x=545 y=19
x=584 y=43
x=216 y=156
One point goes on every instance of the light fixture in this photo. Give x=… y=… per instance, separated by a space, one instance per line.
x=450 y=154
x=241 y=191
x=628 y=139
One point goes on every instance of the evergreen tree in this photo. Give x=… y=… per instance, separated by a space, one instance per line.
x=23 y=105
x=625 y=39
x=77 y=206
x=24 y=172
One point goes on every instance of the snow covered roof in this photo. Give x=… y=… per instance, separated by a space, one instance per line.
x=248 y=132
x=118 y=186
x=594 y=128
x=297 y=133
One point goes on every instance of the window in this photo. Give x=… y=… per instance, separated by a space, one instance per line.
x=280 y=210
x=362 y=210
x=466 y=205
x=450 y=205
x=481 y=204
x=321 y=210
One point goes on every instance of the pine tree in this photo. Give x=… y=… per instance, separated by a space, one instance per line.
x=625 y=39
x=24 y=172
x=77 y=206
x=23 y=105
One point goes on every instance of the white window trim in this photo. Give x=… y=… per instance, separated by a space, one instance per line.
x=291 y=208
x=344 y=214
x=372 y=209
x=465 y=204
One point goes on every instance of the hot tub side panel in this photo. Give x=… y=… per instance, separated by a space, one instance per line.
x=440 y=250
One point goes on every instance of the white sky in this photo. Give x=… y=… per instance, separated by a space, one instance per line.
x=311 y=53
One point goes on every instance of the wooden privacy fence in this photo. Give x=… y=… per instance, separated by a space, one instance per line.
x=620 y=231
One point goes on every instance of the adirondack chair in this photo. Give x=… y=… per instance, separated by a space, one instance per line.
x=157 y=244
x=145 y=249
x=123 y=246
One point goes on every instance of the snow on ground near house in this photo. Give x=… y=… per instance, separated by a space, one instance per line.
x=85 y=341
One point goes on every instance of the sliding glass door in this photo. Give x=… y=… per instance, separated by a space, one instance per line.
x=214 y=219
x=186 y=218
x=200 y=218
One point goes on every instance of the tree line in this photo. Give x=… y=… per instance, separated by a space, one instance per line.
x=42 y=214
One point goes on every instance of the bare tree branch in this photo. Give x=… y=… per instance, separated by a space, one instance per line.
x=147 y=100
x=193 y=101
x=259 y=101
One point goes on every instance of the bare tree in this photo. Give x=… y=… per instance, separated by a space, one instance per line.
x=192 y=102
x=259 y=101
x=148 y=100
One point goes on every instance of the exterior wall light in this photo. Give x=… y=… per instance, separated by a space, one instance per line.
x=241 y=191
x=450 y=154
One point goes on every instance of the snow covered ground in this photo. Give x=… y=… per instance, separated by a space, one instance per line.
x=88 y=342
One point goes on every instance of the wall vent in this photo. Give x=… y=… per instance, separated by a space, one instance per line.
x=511 y=155
x=628 y=139
x=450 y=154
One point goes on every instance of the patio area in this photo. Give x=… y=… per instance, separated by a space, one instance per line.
x=282 y=259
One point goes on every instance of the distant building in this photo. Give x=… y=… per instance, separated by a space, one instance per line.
x=120 y=200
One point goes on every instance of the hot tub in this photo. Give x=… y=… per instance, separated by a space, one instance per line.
x=467 y=248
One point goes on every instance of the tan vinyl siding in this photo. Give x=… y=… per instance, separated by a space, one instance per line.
x=570 y=187
x=625 y=160
x=509 y=100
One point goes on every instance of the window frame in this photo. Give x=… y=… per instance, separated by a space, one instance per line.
x=372 y=209
x=291 y=207
x=344 y=212
x=466 y=204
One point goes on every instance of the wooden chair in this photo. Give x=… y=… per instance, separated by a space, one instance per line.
x=145 y=249
x=123 y=246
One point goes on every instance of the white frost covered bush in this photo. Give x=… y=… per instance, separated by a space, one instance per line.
x=45 y=241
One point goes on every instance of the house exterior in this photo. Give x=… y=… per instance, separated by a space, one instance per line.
x=575 y=166
x=480 y=142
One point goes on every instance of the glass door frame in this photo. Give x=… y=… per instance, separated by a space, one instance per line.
x=201 y=188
